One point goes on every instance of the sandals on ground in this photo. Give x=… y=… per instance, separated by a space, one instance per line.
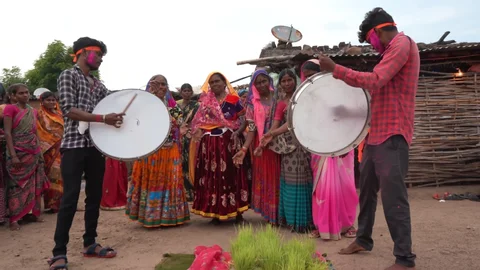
x=60 y=266
x=106 y=252
x=351 y=233
x=314 y=234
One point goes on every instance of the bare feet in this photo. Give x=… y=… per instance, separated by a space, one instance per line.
x=14 y=226
x=351 y=249
x=399 y=267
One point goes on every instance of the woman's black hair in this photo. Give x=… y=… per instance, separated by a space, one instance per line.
x=221 y=77
x=373 y=18
x=84 y=42
x=158 y=75
x=46 y=95
x=289 y=73
x=12 y=89
x=309 y=65
x=185 y=86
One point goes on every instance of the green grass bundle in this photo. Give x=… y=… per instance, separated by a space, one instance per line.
x=267 y=250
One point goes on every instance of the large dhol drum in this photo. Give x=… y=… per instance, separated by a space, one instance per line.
x=327 y=116
x=145 y=127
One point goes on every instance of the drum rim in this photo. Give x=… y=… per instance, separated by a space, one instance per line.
x=291 y=106
x=139 y=157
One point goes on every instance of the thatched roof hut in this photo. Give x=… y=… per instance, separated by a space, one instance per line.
x=446 y=144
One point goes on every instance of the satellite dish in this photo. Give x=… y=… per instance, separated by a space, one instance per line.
x=286 y=33
x=39 y=91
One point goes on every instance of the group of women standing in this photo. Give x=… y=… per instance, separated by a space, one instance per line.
x=30 y=159
x=215 y=144
x=226 y=152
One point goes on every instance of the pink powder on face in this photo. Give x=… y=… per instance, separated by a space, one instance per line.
x=91 y=58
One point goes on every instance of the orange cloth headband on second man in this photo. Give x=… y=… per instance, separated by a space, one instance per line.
x=91 y=48
x=378 y=27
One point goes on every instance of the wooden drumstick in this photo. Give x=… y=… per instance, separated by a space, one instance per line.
x=118 y=123
x=129 y=103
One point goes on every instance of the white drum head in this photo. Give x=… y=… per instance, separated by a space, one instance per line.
x=327 y=116
x=145 y=127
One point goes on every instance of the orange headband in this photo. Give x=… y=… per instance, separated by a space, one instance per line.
x=91 y=48
x=378 y=27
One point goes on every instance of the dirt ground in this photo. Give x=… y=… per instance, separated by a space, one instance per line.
x=445 y=236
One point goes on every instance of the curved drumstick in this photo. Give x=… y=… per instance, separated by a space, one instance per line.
x=118 y=123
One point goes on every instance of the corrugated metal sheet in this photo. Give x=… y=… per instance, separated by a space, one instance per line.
x=449 y=47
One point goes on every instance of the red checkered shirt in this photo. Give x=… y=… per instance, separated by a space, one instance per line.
x=392 y=85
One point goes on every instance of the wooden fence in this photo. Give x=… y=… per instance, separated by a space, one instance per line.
x=446 y=144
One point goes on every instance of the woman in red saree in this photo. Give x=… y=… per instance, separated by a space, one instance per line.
x=24 y=159
x=221 y=189
x=50 y=133
x=261 y=105
x=115 y=185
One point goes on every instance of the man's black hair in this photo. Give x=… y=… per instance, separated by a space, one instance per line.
x=84 y=42
x=373 y=18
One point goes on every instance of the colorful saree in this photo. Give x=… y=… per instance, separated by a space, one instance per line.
x=156 y=197
x=266 y=169
x=50 y=132
x=115 y=185
x=221 y=189
x=28 y=181
x=188 y=111
x=296 y=182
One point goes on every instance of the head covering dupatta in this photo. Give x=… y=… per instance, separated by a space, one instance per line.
x=209 y=114
x=254 y=103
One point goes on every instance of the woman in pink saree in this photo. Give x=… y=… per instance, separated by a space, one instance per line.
x=25 y=163
x=335 y=199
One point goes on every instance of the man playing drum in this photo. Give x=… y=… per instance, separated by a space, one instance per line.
x=79 y=93
x=393 y=86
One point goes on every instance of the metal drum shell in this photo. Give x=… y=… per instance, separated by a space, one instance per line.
x=307 y=86
x=145 y=104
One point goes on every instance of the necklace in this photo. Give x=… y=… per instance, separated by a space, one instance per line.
x=221 y=99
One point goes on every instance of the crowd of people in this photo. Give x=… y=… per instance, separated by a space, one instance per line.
x=226 y=153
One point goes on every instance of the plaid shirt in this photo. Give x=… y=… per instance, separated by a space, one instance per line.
x=392 y=85
x=75 y=92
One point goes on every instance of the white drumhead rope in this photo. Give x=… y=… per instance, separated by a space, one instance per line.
x=327 y=116
x=146 y=125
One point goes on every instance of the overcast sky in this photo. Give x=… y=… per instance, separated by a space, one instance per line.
x=185 y=40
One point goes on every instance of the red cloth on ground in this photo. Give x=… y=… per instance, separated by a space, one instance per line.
x=207 y=258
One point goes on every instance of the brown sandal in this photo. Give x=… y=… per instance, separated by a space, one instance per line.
x=314 y=234
x=351 y=233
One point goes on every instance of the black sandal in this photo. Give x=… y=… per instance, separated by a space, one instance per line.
x=60 y=266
